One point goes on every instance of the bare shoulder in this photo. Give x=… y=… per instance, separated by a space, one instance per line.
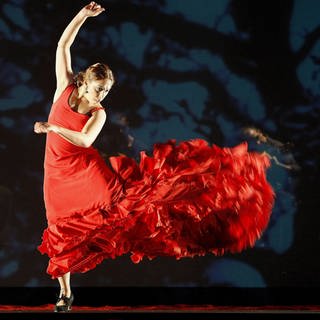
x=99 y=114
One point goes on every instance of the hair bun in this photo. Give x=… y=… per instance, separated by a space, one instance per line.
x=79 y=79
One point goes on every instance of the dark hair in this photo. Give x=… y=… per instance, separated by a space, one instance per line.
x=97 y=71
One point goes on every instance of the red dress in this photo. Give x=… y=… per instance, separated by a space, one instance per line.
x=184 y=200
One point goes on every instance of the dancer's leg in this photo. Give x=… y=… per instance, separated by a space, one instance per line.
x=65 y=288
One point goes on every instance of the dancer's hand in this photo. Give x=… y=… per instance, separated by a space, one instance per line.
x=92 y=9
x=43 y=127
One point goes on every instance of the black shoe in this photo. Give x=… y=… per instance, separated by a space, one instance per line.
x=67 y=306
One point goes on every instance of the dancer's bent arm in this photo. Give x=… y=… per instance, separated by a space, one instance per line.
x=85 y=138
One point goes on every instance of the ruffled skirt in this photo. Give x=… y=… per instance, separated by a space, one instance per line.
x=184 y=200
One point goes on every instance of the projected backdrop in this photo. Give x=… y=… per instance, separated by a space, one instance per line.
x=184 y=69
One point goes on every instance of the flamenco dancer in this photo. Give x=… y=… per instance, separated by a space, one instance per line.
x=184 y=200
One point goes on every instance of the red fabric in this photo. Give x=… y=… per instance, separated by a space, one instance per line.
x=96 y=109
x=184 y=200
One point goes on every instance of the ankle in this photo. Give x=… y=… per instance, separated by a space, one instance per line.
x=67 y=293
x=62 y=292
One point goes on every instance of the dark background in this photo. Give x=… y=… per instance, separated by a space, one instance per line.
x=185 y=69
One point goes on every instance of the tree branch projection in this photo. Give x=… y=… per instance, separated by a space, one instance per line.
x=265 y=57
x=192 y=35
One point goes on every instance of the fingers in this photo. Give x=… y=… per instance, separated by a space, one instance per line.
x=94 y=4
x=40 y=127
x=37 y=127
x=95 y=7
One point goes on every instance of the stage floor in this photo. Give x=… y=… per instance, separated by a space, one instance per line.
x=168 y=312
x=162 y=303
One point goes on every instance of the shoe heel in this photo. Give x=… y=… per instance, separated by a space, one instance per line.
x=67 y=306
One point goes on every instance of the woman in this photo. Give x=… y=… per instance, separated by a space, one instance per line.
x=185 y=200
x=84 y=100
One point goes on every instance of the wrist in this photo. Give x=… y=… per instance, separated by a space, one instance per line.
x=82 y=15
x=53 y=128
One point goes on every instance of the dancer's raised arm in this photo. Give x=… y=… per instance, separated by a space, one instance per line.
x=63 y=65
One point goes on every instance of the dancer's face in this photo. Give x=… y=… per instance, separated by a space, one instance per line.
x=97 y=90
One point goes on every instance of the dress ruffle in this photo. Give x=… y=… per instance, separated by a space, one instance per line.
x=184 y=200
